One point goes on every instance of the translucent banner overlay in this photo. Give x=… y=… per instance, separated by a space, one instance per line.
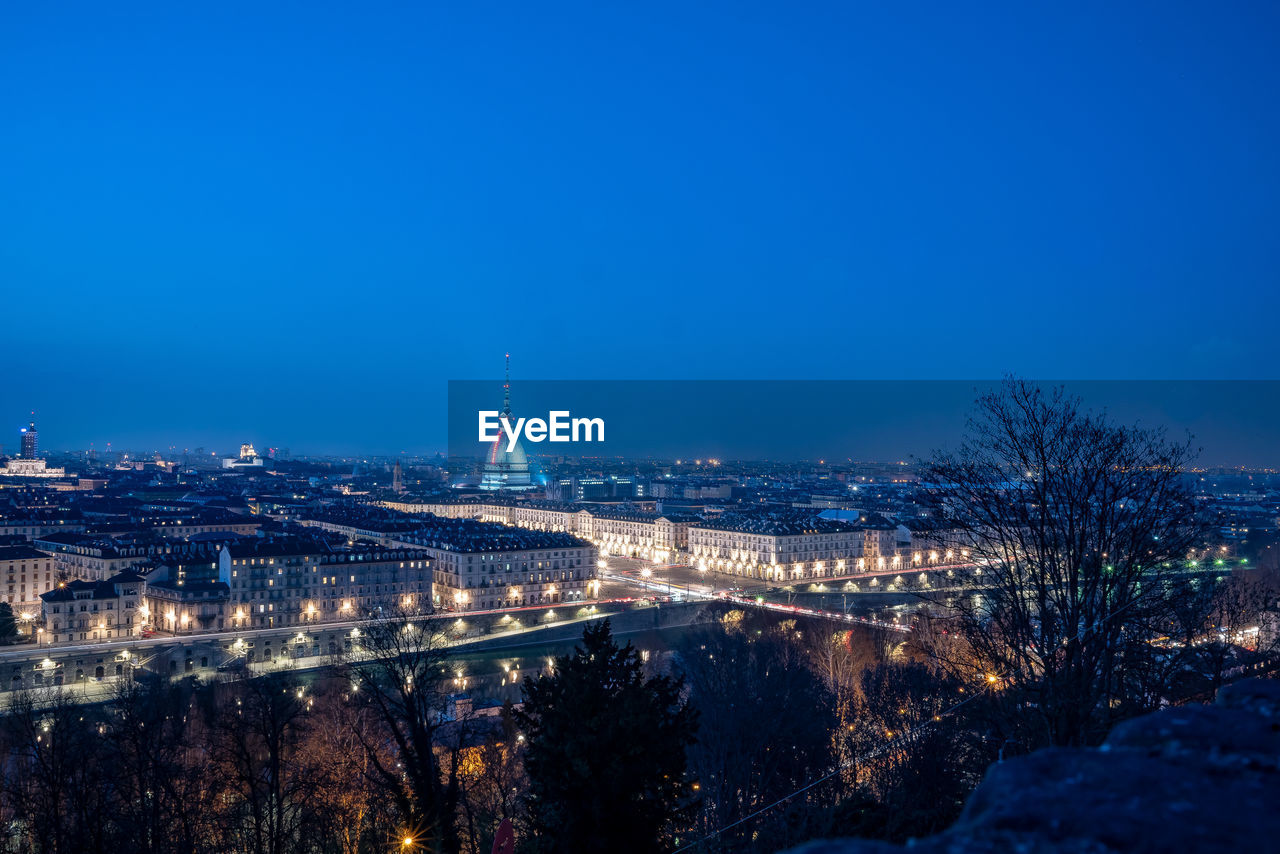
x=1234 y=423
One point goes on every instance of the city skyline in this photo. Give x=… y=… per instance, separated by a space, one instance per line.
x=1231 y=423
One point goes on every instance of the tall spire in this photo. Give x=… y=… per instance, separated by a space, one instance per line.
x=506 y=390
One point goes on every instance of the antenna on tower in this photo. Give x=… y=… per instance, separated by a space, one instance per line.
x=506 y=390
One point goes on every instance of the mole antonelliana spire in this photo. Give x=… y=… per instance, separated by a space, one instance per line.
x=506 y=469
x=506 y=391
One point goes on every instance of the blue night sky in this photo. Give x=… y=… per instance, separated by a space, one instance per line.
x=291 y=225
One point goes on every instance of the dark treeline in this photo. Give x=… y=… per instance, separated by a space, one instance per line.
x=607 y=750
x=756 y=733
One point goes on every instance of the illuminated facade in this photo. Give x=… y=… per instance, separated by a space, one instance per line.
x=26 y=574
x=31 y=468
x=652 y=536
x=248 y=458
x=923 y=543
x=778 y=550
x=94 y=610
x=298 y=582
x=482 y=566
x=90 y=557
x=481 y=581
x=832 y=547
x=632 y=533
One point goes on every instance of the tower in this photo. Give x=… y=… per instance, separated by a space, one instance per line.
x=506 y=391
x=506 y=470
x=30 y=441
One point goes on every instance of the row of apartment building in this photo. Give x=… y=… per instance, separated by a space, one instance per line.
x=638 y=533
x=251 y=583
x=111 y=590
x=785 y=547
x=478 y=564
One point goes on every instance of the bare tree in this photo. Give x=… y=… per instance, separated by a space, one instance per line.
x=1237 y=605
x=916 y=761
x=350 y=811
x=1081 y=529
x=493 y=781
x=769 y=720
x=267 y=783
x=57 y=801
x=401 y=674
x=163 y=806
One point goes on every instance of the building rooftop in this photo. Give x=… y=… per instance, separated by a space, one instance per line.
x=21 y=553
x=470 y=535
x=78 y=589
x=776 y=525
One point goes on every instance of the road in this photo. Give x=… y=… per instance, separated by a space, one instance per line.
x=681 y=581
x=73 y=667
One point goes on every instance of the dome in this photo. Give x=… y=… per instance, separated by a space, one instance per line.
x=499 y=455
x=506 y=470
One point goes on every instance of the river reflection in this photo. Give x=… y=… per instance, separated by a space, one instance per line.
x=495 y=677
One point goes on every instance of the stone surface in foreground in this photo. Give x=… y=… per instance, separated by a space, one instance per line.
x=1186 y=779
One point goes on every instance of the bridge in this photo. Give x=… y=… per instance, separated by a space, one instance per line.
x=91 y=670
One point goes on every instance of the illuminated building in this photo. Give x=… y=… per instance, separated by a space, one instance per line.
x=187 y=586
x=30 y=442
x=778 y=549
x=31 y=468
x=928 y=543
x=94 y=610
x=480 y=566
x=97 y=557
x=647 y=534
x=294 y=582
x=249 y=458
x=654 y=536
x=28 y=462
x=25 y=575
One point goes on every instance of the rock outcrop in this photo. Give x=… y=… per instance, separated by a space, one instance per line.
x=1186 y=779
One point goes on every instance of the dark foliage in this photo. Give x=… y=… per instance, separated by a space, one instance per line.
x=767 y=723
x=8 y=624
x=606 y=750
